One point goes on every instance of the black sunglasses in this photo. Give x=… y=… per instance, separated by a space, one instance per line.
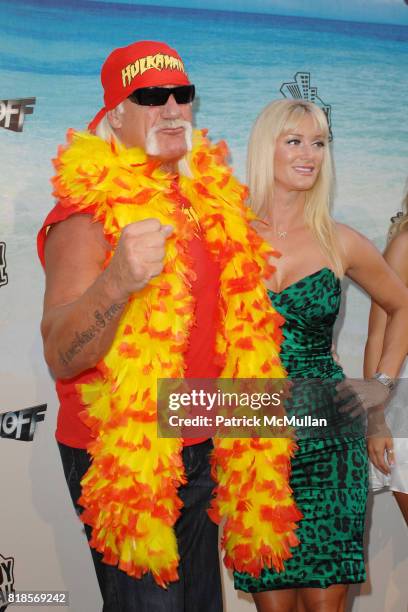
x=158 y=96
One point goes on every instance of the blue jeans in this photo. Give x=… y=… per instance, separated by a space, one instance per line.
x=199 y=586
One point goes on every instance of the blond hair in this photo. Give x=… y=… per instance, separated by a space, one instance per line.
x=399 y=223
x=105 y=131
x=278 y=117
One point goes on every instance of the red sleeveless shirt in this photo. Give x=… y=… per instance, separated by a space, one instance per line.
x=199 y=357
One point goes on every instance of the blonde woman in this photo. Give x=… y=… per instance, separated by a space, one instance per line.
x=290 y=178
x=389 y=456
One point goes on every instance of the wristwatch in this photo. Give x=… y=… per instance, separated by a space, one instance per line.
x=385 y=380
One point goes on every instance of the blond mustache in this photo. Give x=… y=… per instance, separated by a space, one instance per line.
x=152 y=147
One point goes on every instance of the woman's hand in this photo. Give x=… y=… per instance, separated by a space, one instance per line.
x=381 y=452
x=380 y=444
x=335 y=354
x=361 y=395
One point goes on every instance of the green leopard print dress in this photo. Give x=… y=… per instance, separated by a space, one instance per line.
x=329 y=471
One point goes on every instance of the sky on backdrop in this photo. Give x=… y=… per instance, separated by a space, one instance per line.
x=380 y=11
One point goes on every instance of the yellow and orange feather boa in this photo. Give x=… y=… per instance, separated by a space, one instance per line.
x=130 y=491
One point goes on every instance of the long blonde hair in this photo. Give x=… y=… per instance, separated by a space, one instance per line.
x=399 y=223
x=281 y=116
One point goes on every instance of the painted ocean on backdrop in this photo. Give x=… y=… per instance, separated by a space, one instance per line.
x=238 y=61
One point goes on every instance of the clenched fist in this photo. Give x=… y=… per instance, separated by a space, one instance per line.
x=139 y=256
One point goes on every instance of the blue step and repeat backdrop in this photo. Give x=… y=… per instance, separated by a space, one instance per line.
x=349 y=57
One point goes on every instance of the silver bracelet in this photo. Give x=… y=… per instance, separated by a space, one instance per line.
x=385 y=380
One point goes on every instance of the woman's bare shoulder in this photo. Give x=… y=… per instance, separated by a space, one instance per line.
x=348 y=234
x=399 y=243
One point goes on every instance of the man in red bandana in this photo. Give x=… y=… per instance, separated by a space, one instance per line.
x=148 y=104
x=154 y=272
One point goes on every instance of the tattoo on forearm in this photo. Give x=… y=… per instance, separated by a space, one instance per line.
x=112 y=311
x=83 y=338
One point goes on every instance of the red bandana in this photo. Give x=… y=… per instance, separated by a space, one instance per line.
x=144 y=63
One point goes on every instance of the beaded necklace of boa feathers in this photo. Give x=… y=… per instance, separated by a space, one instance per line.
x=129 y=493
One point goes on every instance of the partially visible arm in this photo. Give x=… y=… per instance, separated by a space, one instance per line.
x=380 y=442
x=83 y=303
x=377 y=323
x=396 y=255
x=366 y=266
